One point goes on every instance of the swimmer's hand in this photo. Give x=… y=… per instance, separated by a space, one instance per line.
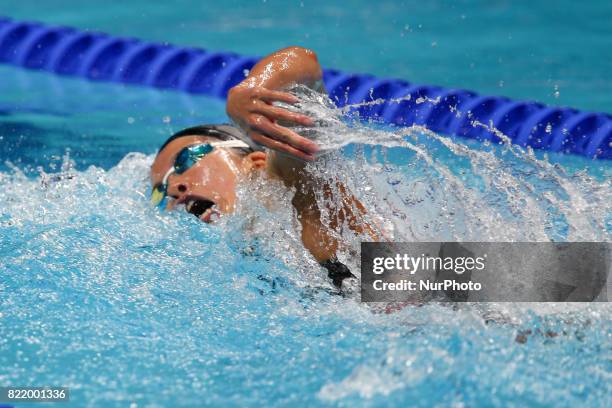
x=249 y=103
x=251 y=108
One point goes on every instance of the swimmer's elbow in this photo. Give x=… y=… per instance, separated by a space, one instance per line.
x=305 y=67
x=304 y=57
x=302 y=53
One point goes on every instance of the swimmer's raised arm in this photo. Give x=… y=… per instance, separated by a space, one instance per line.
x=249 y=103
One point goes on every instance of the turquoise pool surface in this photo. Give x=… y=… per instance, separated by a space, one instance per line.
x=127 y=306
x=557 y=54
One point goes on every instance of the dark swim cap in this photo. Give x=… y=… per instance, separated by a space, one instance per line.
x=221 y=132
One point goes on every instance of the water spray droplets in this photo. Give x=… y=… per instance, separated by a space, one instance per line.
x=490 y=193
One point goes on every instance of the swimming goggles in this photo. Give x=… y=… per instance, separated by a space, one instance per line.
x=185 y=160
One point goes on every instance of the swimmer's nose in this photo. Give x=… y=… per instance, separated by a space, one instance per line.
x=177 y=188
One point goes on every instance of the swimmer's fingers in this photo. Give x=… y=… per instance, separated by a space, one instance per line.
x=270 y=95
x=277 y=113
x=286 y=137
x=279 y=146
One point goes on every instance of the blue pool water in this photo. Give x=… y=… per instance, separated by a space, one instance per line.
x=526 y=50
x=130 y=307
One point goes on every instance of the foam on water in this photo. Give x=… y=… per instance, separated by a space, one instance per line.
x=124 y=304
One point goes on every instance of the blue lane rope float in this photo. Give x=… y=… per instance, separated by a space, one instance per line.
x=101 y=57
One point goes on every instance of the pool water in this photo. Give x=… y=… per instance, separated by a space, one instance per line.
x=532 y=50
x=128 y=306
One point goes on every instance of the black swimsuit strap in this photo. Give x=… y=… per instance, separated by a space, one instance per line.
x=337 y=271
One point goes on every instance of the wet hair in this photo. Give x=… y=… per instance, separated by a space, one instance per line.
x=221 y=132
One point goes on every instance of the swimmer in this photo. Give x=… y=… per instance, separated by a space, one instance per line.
x=200 y=168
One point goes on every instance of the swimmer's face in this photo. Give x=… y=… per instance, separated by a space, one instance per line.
x=208 y=188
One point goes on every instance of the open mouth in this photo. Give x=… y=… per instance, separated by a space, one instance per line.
x=198 y=207
x=203 y=209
